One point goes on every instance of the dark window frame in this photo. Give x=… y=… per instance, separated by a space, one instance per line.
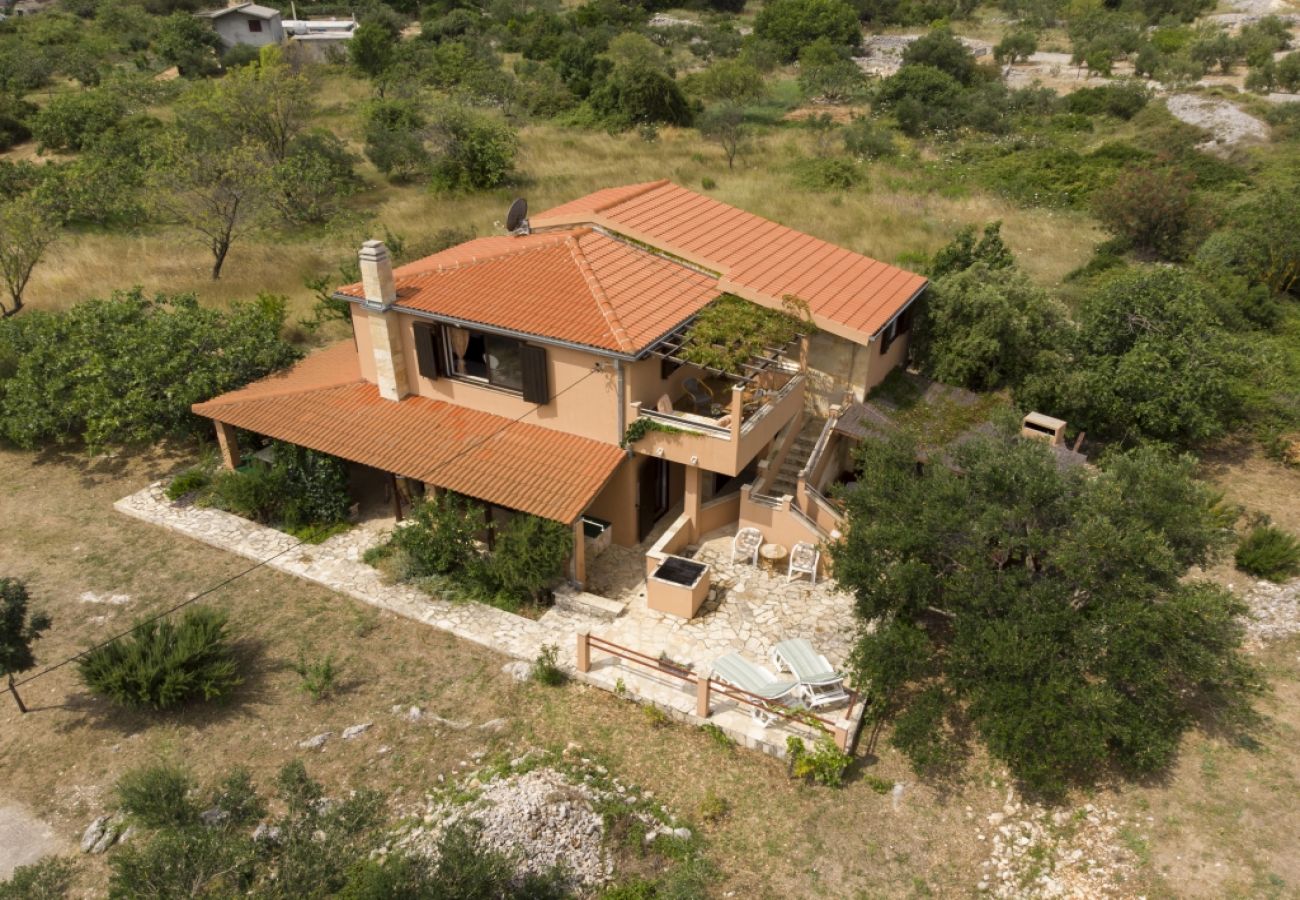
x=255 y=26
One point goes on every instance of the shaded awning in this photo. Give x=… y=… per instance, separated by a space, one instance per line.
x=324 y=404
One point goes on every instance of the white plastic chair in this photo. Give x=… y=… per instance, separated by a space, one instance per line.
x=803 y=559
x=746 y=543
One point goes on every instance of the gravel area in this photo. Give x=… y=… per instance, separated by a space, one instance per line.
x=1040 y=853
x=1274 y=608
x=543 y=817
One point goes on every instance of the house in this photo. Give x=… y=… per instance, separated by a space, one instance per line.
x=246 y=23
x=319 y=40
x=542 y=371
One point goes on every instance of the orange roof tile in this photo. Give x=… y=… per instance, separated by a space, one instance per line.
x=757 y=259
x=575 y=285
x=322 y=403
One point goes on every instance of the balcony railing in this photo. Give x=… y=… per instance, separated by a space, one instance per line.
x=701 y=441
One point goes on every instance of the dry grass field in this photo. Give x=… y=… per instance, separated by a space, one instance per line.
x=1221 y=825
x=883 y=219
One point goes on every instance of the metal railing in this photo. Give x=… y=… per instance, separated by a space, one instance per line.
x=685 y=424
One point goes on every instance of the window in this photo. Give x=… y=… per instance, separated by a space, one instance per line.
x=254 y=25
x=887 y=336
x=489 y=358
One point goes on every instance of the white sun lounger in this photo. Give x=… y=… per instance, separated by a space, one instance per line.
x=819 y=683
x=735 y=670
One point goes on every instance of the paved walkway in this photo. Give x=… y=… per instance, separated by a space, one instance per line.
x=750 y=612
x=24 y=839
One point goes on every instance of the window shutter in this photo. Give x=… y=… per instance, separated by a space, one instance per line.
x=426 y=350
x=887 y=337
x=537 y=387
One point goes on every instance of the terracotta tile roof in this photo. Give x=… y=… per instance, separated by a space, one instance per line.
x=757 y=259
x=322 y=403
x=575 y=285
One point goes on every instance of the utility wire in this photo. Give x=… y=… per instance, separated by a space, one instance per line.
x=216 y=587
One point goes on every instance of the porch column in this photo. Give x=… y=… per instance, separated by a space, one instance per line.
x=228 y=442
x=737 y=410
x=579 y=556
x=691 y=501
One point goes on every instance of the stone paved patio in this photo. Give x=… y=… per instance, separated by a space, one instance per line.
x=750 y=612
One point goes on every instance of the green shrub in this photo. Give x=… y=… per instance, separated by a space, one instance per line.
x=864 y=139
x=162 y=665
x=255 y=492
x=183 y=862
x=439 y=536
x=1269 y=552
x=236 y=796
x=1123 y=99
x=824 y=763
x=49 y=879
x=157 y=796
x=529 y=558
x=188 y=482
x=546 y=669
x=318 y=676
x=300 y=489
x=114 y=372
x=793 y=24
x=827 y=174
x=71 y=121
x=641 y=94
x=469 y=150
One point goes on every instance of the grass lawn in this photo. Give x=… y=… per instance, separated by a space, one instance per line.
x=1222 y=824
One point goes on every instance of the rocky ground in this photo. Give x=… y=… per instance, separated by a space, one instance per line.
x=1228 y=126
x=548 y=816
x=1060 y=853
x=1274 y=608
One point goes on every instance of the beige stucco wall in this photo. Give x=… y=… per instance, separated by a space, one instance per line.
x=617 y=504
x=583 y=401
x=837 y=364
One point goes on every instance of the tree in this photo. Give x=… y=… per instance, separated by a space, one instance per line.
x=127 y=369
x=71 y=121
x=372 y=51
x=222 y=192
x=940 y=49
x=963 y=251
x=792 y=24
x=18 y=629
x=984 y=328
x=725 y=125
x=923 y=99
x=634 y=95
x=1151 y=208
x=28 y=228
x=188 y=43
x=1149 y=362
x=826 y=72
x=732 y=81
x=1042 y=608
x=1016 y=47
x=469 y=150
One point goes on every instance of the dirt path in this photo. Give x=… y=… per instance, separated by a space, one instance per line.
x=23 y=838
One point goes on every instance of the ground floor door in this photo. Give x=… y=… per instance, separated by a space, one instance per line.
x=652 y=494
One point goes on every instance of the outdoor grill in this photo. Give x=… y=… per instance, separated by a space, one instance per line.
x=678 y=586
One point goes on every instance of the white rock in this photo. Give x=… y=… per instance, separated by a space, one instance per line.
x=354 y=731
x=315 y=743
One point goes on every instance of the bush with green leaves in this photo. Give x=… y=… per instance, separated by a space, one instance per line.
x=1152 y=208
x=640 y=94
x=793 y=24
x=922 y=99
x=19 y=628
x=314 y=179
x=157 y=796
x=439 y=536
x=986 y=328
x=163 y=664
x=126 y=370
x=824 y=764
x=941 y=49
x=827 y=173
x=1015 y=46
x=300 y=489
x=546 y=668
x=317 y=676
x=469 y=150
x=527 y=560
x=1044 y=610
x=1269 y=552
x=1122 y=98
x=864 y=139
x=49 y=879
x=69 y=122
x=1148 y=361
x=827 y=73
x=189 y=482
x=320 y=849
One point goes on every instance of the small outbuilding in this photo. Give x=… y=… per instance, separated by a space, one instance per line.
x=246 y=23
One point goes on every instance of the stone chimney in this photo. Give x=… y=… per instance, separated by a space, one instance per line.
x=385 y=325
x=377 y=275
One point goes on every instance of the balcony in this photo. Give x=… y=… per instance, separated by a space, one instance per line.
x=727 y=432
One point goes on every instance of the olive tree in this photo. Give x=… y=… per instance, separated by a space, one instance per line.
x=1042 y=610
x=28 y=228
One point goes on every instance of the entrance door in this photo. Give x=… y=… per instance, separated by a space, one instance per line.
x=652 y=495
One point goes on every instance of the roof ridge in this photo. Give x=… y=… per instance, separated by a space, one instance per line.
x=561 y=237
x=616 y=329
x=645 y=188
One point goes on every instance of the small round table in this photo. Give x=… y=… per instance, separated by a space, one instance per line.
x=773 y=556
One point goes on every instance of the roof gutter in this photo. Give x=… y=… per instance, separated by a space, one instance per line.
x=902 y=309
x=492 y=329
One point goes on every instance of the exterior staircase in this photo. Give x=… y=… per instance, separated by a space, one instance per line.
x=788 y=476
